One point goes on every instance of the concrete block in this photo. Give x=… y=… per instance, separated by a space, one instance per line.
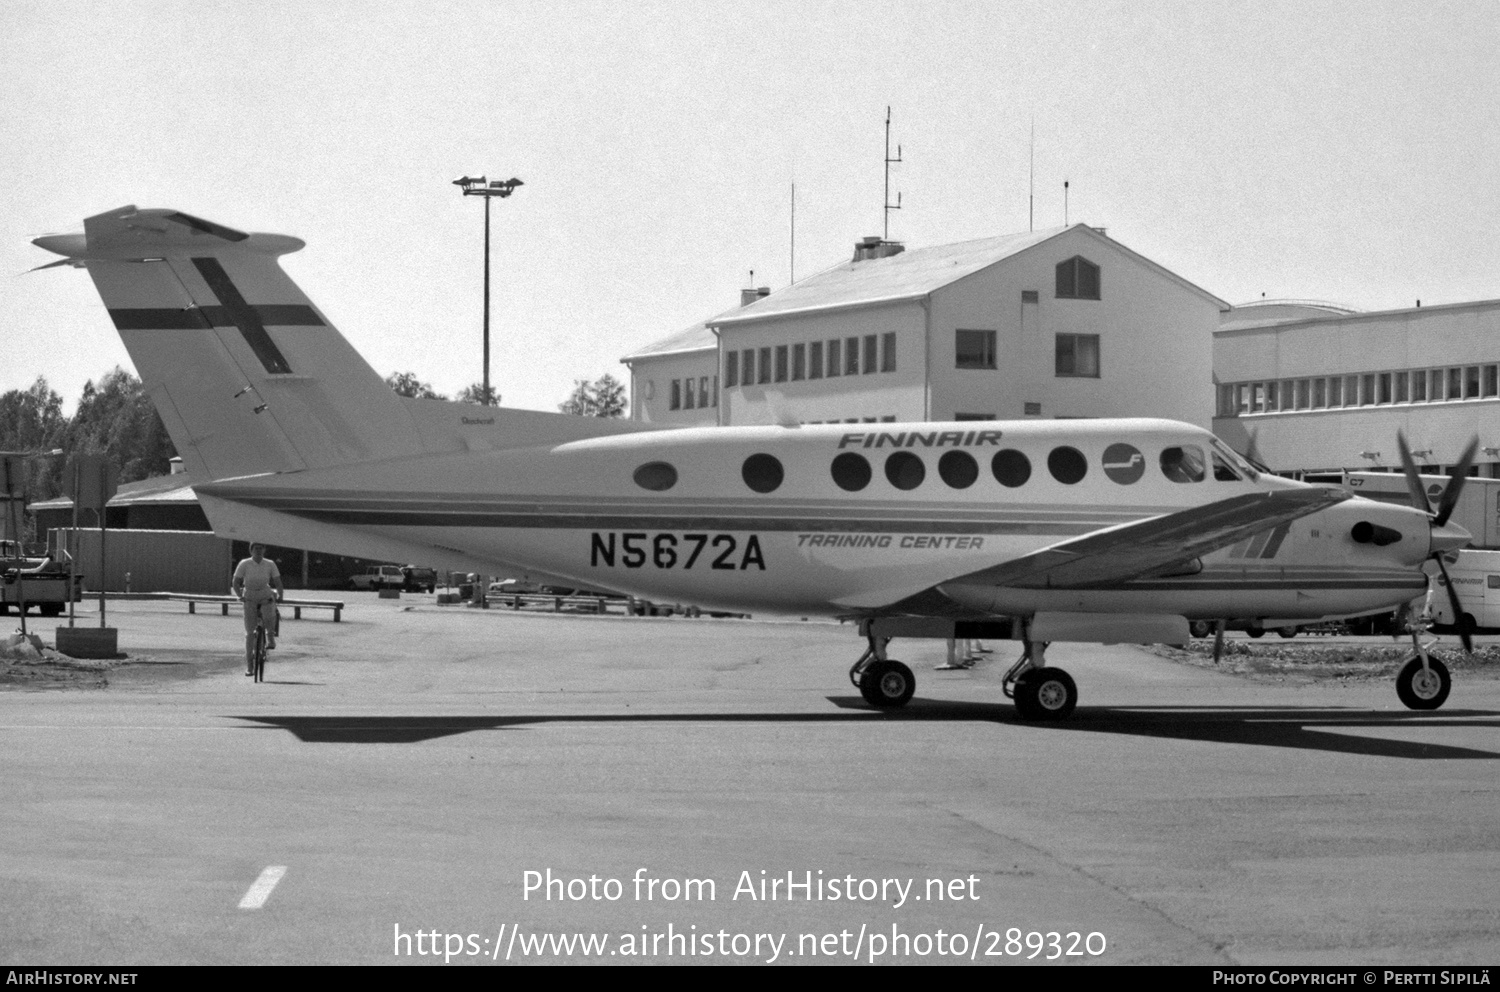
x=88 y=642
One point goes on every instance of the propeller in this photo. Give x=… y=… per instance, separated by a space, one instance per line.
x=1447 y=502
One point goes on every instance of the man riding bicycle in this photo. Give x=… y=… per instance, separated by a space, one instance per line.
x=257 y=582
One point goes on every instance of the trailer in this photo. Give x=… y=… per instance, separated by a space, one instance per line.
x=30 y=581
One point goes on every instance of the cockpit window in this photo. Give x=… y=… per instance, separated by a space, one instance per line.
x=1223 y=471
x=1246 y=467
x=1183 y=463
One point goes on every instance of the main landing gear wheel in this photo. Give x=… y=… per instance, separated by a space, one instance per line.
x=887 y=684
x=1045 y=694
x=1423 y=689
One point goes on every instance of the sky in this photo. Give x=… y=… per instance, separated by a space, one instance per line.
x=1339 y=151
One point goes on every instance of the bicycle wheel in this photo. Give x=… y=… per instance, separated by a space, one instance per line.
x=260 y=653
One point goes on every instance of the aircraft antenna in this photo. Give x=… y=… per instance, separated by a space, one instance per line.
x=888 y=163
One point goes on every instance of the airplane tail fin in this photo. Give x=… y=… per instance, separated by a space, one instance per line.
x=248 y=375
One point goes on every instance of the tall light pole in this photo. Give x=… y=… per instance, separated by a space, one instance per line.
x=480 y=186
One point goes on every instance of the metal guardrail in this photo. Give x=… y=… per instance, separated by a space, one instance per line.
x=225 y=602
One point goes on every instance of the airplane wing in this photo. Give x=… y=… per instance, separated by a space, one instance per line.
x=1109 y=557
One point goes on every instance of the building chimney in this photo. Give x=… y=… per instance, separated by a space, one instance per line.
x=873 y=247
x=176 y=463
x=749 y=296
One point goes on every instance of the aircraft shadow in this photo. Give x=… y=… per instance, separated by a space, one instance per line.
x=1309 y=728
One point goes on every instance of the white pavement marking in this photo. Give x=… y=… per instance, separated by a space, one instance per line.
x=258 y=893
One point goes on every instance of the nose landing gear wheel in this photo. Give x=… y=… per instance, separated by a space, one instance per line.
x=1421 y=689
x=887 y=684
x=1045 y=694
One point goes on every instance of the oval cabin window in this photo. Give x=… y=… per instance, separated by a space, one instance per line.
x=1067 y=465
x=905 y=470
x=656 y=476
x=1011 y=468
x=763 y=473
x=850 y=472
x=958 y=469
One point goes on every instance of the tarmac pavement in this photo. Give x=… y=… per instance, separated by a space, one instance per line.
x=409 y=766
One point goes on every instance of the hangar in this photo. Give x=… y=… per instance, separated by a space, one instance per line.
x=1059 y=323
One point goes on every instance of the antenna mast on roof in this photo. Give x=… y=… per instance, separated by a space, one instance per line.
x=1065 y=203
x=888 y=162
x=792 y=261
x=1031 y=190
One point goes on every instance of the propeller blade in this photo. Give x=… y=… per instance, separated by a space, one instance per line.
x=1464 y=633
x=1449 y=498
x=1413 y=477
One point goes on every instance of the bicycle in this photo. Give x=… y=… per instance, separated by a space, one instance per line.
x=258 y=656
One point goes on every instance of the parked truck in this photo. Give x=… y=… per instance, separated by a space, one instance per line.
x=28 y=581
x=378 y=577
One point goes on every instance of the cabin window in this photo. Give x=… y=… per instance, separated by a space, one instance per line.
x=905 y=470
x=1011 y=468
x=763 y=473
x=1067 y=465
x=656 y=476
x=1183 y=463
x=1492 y=581
x=1223 y=471
x=850 y=472
x=958 y=469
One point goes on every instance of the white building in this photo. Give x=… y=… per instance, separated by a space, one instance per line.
x=1314 y=389
x=1065 y=322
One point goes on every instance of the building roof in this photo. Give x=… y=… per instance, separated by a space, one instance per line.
x=1230 y=328
x=696 y=338
x=908 y=275
x=1277 y=311
x=161 y=490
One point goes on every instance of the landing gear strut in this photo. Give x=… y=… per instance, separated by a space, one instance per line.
x=1040 y=693
x=1423 y=682
x=884 y=683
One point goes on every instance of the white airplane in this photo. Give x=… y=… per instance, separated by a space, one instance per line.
x=1112 y=531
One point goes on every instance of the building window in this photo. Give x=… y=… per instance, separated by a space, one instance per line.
x=688 y=394
x=1351 y=390
x=1383 y=388
x=1419 y=387
x=1077 y=279
x=702 y=392
x=781 y=363
x=1455 y=384
x=815 y=360
x=799 y=362
x=973 y=416
x=1471 y=382
x=1078 y=355
x=764 y=372
x=974 y=349
x=1335 y=392
x=851 y=356
x=1402 y=378
x=1271 y=394
x=835 y=364
x=1226 y=407
x=747 y=359
x=731 y=370
x=1302 y=397
x=870 y=355
x=888 y=352
x=1030 y=296
x=676 y=403
x=1319 y=393
x=1491 y=380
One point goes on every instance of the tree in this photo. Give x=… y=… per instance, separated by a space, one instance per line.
x=474 y=393
x=407 y=384
x=32 y=420
x=116 y=418
x=604 y=397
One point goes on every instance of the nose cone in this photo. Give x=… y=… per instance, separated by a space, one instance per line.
x=1449 y=537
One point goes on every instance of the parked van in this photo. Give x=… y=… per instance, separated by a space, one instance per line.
x=1476 y=579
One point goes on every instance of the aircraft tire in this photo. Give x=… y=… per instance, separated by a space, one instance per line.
x=1287 y=632
x=1200 y=628
x=1256 y=632
x=1045 y=694
x=887 y=685
x=1419 y=691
